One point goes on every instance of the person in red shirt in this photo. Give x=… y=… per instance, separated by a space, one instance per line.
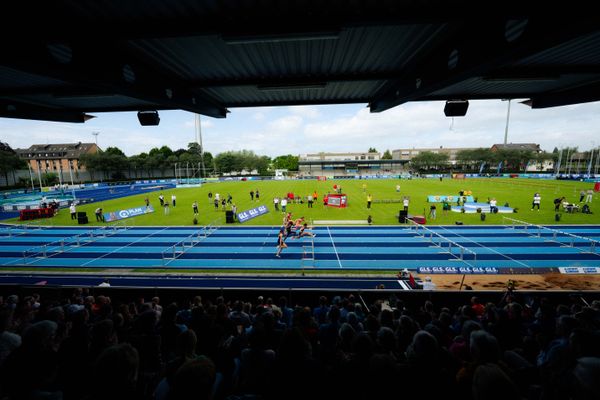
x=477 y=306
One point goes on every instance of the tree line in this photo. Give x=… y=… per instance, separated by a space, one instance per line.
x=112 y=162
x=482 y=160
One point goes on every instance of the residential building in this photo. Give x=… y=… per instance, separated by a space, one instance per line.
x=57 y=157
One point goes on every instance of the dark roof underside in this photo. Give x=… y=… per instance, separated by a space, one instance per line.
x=65 y=58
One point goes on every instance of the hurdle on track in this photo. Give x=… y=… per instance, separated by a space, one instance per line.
x=430 y=235
x=526 y=226
x=176 y=250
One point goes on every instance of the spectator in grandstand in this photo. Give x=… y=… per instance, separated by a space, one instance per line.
x=116 y=373
x=73 y=210
x=491 y=383
x=536 y=201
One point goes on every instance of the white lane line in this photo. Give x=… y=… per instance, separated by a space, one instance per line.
x=122 y=247
x=334 y=249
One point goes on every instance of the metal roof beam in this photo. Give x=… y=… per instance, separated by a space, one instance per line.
x=106 y=68
x=477 y=50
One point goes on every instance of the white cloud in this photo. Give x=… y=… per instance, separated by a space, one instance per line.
x=295 y=130
x=309 y=112
x=286 y=124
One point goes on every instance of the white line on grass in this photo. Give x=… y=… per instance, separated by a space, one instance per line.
x=334 y=249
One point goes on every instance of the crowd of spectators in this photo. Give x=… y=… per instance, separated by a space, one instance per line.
x=89 y=347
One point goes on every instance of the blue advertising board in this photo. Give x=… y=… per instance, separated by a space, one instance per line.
x=252 y=213
x=128 y=213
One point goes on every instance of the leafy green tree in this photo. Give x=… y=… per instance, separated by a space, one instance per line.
x=372 y=150
x=9 y=161
x=387 y=155
x=288 y=162
x=429 y=160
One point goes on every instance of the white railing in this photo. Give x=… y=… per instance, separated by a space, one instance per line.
x=430 y=235
x=526 y=227
x=176 y=250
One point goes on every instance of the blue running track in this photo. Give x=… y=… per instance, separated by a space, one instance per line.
x=335 y=248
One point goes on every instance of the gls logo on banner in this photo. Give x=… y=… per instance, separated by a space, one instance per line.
x=252 y=213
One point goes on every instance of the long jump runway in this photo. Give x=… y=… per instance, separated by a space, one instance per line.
x=334 y=248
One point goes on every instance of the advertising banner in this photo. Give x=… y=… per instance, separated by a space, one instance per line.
x=130 y=212
x=252 y=213
x=449 y=199
x=579 y=270
x=457 y=270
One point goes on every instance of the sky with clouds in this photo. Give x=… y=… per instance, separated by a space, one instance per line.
x=297 y=130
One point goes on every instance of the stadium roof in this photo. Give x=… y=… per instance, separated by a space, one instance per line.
x=62 y=59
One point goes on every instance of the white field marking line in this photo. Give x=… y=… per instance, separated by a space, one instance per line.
x=334 y=249
x=489 y=248
x=122 y=247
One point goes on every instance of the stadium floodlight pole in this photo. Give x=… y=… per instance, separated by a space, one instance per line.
x=60 y=175
x=199 y=141
x=589 y=171
x=96 y=133
x=558 y=162
x=70 y=172
x=175 y=169
x=40 y=176
x=31 y=177
x=507 y=119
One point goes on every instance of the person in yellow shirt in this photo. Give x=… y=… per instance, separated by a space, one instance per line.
x=369 y=200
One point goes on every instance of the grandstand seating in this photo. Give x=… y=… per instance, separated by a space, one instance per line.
x=317 y=345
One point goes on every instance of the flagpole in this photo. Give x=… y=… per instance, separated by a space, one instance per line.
x=31 y=177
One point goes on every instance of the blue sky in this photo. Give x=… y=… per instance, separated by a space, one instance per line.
x=275 y=131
